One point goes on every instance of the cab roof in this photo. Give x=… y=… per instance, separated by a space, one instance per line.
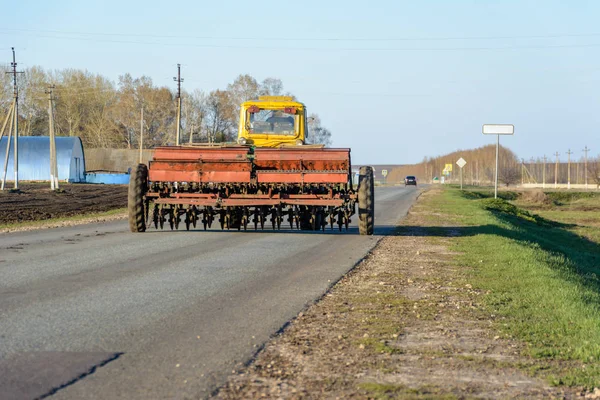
x=274 y=101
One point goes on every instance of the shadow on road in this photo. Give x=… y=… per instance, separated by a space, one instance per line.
x=380 y=230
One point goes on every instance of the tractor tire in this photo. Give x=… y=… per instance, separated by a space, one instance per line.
x=366 y=201
x=138 y=185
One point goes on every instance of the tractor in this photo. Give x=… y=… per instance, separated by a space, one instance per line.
x=270 y=175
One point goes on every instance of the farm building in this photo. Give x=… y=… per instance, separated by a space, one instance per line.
x=34 y=159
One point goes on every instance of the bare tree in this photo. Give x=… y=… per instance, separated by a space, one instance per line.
x=594 y=171
x=243 y=88
x=271 y=87
x=220 y=116
x=317 y=134
x=33 y=104
x=195 y=114
x=105 y=114
x=509 y=174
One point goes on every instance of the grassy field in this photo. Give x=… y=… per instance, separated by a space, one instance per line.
x=539 y=257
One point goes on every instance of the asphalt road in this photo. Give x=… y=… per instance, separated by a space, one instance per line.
x=96 y=312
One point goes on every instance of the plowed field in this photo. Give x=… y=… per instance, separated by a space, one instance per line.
x=36 y=202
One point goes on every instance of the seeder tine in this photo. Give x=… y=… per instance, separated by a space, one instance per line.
x=155 y=215
x=291 y=218
x=147 y=210
x=188 y=220
x=194 y=216
x=177 y=217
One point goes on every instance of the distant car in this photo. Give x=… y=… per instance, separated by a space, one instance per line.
x=410 y=180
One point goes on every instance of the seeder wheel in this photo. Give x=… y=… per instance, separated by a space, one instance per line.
x=366 y=201
x=138 y=185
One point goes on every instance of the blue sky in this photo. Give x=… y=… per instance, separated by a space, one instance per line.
x=393 y=80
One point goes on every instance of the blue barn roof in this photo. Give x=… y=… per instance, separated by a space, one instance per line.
x=34 y=158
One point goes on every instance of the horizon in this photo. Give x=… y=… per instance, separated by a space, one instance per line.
x=395 y=82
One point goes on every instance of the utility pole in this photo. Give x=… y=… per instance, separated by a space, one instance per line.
x=53 y=163
x=569 y=169
x=522 y=171
x=14 y=73
x=141 y=133
x=544 y=173
x=531 y=167
x=556 y=171
x=178 y=79
x=585 y=165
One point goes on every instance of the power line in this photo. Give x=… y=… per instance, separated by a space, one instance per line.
x=279 y=48
x=308 y=39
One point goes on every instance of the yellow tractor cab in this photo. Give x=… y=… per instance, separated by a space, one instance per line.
x=272 y=121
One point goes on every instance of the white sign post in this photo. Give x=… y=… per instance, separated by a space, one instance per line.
x=384 y=172
x=498 y=129
x=461 y=163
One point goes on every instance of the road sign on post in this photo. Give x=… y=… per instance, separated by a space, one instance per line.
x=498 y=129
x=461 y=163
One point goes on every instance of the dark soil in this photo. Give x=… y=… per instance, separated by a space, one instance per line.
x=36 y=202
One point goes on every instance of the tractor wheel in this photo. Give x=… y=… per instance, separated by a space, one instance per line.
x=366 y=201
x=138 y=185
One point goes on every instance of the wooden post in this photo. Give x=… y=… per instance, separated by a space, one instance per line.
x=178 y=121
x=10 y=110
x=569 y=169
x=586 y=166
x=53 y=160
x=8 y=143
x=556 y=171
x=544 y=173
x=141 y=133
x=16 y=143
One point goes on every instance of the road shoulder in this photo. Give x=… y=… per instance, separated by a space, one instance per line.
x=405 y=322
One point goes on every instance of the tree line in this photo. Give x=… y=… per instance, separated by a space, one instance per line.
x=481 y=164
x=107 y=114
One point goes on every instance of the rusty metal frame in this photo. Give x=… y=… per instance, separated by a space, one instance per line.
x=250 y=200
x=242 y=165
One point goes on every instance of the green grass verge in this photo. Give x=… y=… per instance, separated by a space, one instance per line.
x=542 y=278
x=53 y=221
x=382 y=391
